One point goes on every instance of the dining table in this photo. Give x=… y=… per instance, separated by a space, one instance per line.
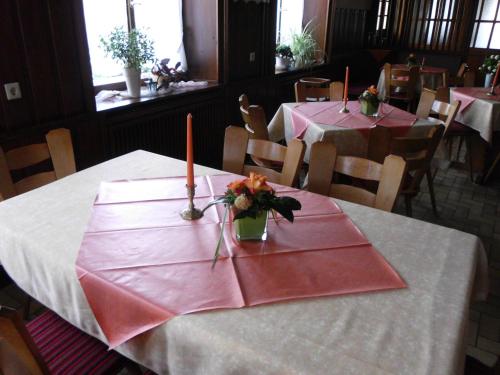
x=430 y=77
x=481 y=112
x=323 y=121
x=416 y=329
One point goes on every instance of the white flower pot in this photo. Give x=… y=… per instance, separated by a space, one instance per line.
x=488 y=79
x=133 y=81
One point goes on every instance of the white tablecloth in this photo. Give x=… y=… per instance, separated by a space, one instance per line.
x=418 y=330
x=349 y=142
x=482 y=115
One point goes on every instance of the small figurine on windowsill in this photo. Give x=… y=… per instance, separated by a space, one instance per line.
x=166 y=75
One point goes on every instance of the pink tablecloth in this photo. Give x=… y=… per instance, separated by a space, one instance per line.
x=467 y=95
x=423 y=70
x=140 y=264
x=328 y=113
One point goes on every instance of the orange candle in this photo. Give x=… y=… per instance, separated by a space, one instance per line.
x=189 y=151
x=496 y=76
x=346 y=85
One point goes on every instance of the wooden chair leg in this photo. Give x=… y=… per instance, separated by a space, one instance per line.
x=468 y=149
x=492 y=168
x=431 y=191
x=457 y=158
x=408 y=205
x=450 y=147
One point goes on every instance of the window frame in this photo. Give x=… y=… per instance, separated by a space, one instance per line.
x=477 y=21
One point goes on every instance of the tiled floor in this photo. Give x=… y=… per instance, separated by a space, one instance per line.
x=462 y=205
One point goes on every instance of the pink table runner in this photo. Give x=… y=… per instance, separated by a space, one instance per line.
x=140 y=264
x=425 y=70
x=328 y=113
x=467 y=95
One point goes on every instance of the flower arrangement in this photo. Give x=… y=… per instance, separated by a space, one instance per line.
x=250 y=198
x=490 y=64
x=369 y=101
x=165 y=75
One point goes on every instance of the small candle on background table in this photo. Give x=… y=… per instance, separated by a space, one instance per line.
x=189 y=151
x=346 y=85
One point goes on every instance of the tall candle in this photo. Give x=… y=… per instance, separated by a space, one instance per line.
x=346 y=85
x=496 y=76
x=189 y=151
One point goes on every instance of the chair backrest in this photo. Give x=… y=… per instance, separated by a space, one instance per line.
x=427 y=98
x=254 y=118
x=58 y=148
x=324 y=162
x=418 y=153
x=18 y=353
x=237 y=144
x=461 y=70
x=337 y=91
x=312 y=89
x=469 y=78
x=446 y=111
x=244 y=103
x=379 y=143
x=404 y=80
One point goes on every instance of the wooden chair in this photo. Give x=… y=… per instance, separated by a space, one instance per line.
x=425 y=103
x=336 y=91
x=464 y=77
x=400 y=84
x=312 y=89
x=58 y=149
x=254 y=118
x=237 y=144
x=50 y=345
x=418 y=153
x=324 y=162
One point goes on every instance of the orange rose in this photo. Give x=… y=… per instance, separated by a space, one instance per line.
x=373 y=90
x=236 y=186
x=256 y=183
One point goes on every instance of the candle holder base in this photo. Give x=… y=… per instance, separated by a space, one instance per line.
x=491 y=94
x=344 y=110
x=191 y=212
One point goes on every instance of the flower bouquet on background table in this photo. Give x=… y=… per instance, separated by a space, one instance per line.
x=250 y=200
x=412 y=60
x=369 y=101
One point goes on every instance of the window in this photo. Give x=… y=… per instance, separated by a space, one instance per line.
x=160 y=19
x=382 y=15
x=486 y=32
x=289 y=20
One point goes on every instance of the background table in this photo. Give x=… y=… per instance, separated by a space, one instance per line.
x=418 y=330
x=349 y=142
x=430 y=76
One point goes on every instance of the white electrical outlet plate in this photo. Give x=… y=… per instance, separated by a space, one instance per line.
x=12 y=90
x=252 y=56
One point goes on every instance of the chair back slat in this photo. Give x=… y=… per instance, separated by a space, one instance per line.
x=293 y=162
x=244 y=102
x=255 y=120
x=425 y=104
x=35 y=181
x=7 y=188
x=358 y=167
x=266 y=150
x=235 y=146
x=391 y=181
x=25 y=156
x=337 y=91
x=321 y=167
x=312 y=89
x=353 y=194
x=404 y=79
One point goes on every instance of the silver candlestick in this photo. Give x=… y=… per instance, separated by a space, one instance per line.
x=191 y=212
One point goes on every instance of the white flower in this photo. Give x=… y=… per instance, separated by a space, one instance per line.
x=497 y=57
x=242 y=202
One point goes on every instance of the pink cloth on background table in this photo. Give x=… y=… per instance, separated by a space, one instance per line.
x=140 y=264
x=328 y=113
x=425 y=70
x=467 y=95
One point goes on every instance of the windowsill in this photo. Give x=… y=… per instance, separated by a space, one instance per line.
x=299 y=70
x=122 y=100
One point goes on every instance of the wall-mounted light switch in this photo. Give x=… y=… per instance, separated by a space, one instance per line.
x=12 y=90
x=252 y=56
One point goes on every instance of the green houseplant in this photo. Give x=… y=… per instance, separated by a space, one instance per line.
x=304 y=46
x=489 y=67
x=132 y=48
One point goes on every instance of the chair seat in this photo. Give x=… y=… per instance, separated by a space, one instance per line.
x=67 y=350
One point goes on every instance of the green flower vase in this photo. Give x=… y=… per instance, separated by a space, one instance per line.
x=249 y=228
x=369 y=108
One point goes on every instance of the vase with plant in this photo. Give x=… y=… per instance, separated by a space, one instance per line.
x=132 y=48
x=284 y=57
x=249 y=201
x=369 y=101
x=489 y=68
x=411 y=60
x=304 y=47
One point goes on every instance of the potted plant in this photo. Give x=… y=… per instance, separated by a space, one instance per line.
x=304 y=47
x=489 y=68
x=133 y=48
x=412 y=60
x=284 y=57
x=369 y=101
